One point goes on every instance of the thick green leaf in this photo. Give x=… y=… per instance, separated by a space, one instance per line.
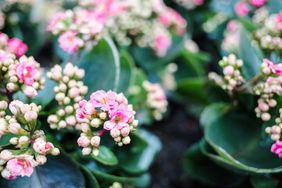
x=139 y=156
x=193 y=89
x=5 y=139
x=58 y=172
x=126 y=71
x=237 y=138
x=90 y=180
x=105 y=177
x=147 y=59
x=251 y=56
x=102 y=67
x=202 y=169
x=212 y=112
x=274 y=6
x=264 y=182
x=106 y=156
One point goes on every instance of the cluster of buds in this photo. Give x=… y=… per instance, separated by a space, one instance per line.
x=156 y=99
x=213 y=23
x=269 y=35
x=28 y=147
x=231 y=37
x=275 y=134
x=105 y=111
x=266 y=89
x=78 y=28
x=190 y=4
x=231 y=70
x=167 y=77
x=23 y=73
x=144 y=23
x=69 y=91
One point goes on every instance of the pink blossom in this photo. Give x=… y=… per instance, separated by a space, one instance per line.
x=257 y=3
x=57 y=18
x=162 y=43
x=30 y=91
x=104 y=100
x=120 y=117
x=275 y=68
x=17 y=47
x=233 y=26
x=83 y=141
x=41 y=146
x=86 y=110
x=69 y=42
x=198 y=2
x=19 y=167
x=26 y=71
x=278 y=25
x=277 y=148
x=242 y=8
x=172 y=18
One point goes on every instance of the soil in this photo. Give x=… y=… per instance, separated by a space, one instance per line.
x=177 y=133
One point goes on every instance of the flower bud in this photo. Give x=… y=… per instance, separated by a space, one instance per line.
x=86 y=151
x=126 y=140
x=95 y=141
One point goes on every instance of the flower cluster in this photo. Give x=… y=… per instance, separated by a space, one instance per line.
x=22 y=73
x=76 y=28
x=105 y=111
x=190 y=4
x=231 y=70
x=69 y=91
x=267 y=88
x=146 y=23
x=231 y=37
x=167 y=77
x=27 y=147
x=156 y=99
x=269 y=34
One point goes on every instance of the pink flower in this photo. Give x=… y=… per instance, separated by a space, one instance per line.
x=119 y=118
x=19 y=167
x=257 y=3
x=41 y=146
x=275 y=68
x=104 y=100
x=26 y=71
x=278 y=24
x=233 y=26
x=198 y=2
x=57 y=18
x=242 y=8
x=69 y=42
x=162 y=43
x=86 y=110
x=277 y=148
x=17 y=47
x=172 y=18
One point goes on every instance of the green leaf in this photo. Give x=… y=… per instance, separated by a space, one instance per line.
x=212 y=112
x=102 y=67
x=264 y=182
x=139 y=156
x=204 y=170
x=105 y=177
x=193 y=89
x=127 y=71
x=147 y=59
x=45 y=96
x=90 y=180
x=57 y=172
x=248 y=24
x=237 y=138
x=251 y=56
x=106 y=156
x=5 y=139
